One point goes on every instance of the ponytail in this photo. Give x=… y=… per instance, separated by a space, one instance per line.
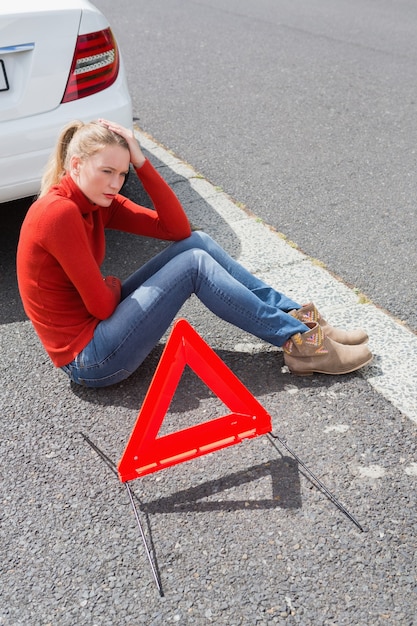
x=56 y=166
x=79 y=139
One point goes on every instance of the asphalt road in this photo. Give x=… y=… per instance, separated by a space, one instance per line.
x=303 y=111
x=240 y=537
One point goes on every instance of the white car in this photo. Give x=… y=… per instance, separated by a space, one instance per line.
x=59 y=62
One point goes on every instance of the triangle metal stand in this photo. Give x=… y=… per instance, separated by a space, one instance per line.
x=146 y=452
x=142 y=534
x=317 y=482
x=271 y=436
x=113 y=468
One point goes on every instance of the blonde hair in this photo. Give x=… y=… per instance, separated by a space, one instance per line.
x=79 y=139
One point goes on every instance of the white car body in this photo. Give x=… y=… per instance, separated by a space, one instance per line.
x=37 y=49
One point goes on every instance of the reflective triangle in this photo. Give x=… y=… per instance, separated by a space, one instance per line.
x=146 y=452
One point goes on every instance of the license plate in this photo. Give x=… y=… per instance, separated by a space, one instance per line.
x=4 y=83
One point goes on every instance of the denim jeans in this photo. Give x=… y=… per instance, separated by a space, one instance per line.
x=153 y=295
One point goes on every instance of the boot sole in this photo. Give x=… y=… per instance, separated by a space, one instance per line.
x=311 y=372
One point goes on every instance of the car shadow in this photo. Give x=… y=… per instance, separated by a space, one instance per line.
x=12 y=215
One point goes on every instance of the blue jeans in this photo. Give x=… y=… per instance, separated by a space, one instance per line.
x=153 y=295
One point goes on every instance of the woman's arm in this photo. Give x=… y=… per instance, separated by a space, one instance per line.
x=66 y=240
x=168 y=220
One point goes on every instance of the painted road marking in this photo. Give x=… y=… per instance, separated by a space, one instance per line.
x=393 y=372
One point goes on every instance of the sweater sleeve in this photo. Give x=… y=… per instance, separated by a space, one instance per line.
x=168 y=221
x=67 y=241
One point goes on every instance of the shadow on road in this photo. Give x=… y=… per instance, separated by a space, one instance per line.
x=11 y=217
x=259 y=372
x=285 y=480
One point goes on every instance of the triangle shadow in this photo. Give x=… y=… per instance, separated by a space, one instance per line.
x=285 y=493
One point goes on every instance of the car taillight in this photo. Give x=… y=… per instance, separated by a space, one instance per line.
x=94 y=67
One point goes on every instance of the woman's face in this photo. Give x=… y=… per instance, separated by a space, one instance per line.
x=101 y=176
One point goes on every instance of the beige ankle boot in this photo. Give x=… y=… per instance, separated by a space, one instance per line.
x=312 y=351
x=309 y=313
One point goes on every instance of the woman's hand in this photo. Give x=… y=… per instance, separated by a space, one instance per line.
x=114 y=285
x=137 y=157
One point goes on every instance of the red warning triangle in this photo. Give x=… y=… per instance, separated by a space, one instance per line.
x=146 y=453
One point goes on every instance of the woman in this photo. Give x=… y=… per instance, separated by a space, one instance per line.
x=99 y=330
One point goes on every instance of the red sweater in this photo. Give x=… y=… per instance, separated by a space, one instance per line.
x=61 y=248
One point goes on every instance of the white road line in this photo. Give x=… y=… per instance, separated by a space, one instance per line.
x=393 y=372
